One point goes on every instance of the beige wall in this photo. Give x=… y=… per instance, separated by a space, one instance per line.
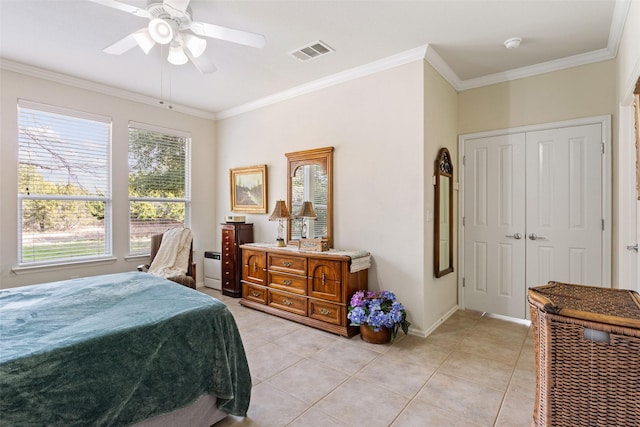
x=14 y=86
x=584 y=91
x=440 y=130
x=375 y=124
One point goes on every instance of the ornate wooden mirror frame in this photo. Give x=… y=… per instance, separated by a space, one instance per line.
x=318 y=166
x=443 y=221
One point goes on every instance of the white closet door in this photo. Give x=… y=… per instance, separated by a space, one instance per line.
x=494 y=199
x=564 y=205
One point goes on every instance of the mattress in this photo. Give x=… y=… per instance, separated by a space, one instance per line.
x=115 y=350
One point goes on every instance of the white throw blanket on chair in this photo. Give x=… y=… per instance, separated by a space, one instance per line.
x=172 y=258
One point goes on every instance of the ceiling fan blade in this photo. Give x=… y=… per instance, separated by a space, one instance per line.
x=121 y=46
x=123 y=7
x=144 y=40
x=228 y=34
x=202 y=63
x=179 y=5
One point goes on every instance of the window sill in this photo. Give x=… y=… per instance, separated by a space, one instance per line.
x=142 y=257
x=61 y=266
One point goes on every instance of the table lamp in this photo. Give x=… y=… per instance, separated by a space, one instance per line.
x=306 y=212
x=280 y=214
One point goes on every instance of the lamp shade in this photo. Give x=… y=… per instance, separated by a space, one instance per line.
x=306 y=211
x=280 y=211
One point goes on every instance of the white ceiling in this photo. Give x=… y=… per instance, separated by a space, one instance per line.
x=464 y=39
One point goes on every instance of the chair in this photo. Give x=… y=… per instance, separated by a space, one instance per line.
x=188 y=280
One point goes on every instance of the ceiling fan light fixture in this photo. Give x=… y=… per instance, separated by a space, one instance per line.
x=176 y=55
x=196 y=45
x=144 y=40
x=161 y=31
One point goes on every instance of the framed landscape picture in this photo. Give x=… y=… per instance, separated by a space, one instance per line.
x=249 y=189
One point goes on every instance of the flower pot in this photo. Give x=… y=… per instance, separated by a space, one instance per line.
x=369 y=335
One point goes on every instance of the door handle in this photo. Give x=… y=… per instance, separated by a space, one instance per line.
x=533 y=236
x=516 y=236
x=633 y=248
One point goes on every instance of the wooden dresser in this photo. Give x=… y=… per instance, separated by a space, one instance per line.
x=233 y=235
x=313 y=288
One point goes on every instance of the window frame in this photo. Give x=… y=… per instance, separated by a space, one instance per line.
x=187 y=178
x=107 y=254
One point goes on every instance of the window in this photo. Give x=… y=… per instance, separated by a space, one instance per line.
x=159 y=183
x=64 y=195
x=310 y=184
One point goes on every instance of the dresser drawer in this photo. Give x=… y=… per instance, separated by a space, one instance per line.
x=228 y=243
x=254 y=293
x=327 y=312
x=288 y=264
x=325 y=279
x=289 y=302
x=285 y=282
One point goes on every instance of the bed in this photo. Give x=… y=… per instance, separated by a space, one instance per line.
x=118 y=349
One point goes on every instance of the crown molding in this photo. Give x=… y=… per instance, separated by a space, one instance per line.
x=344 y=76
x=425 y=52
x=534 y=70
x=620 y=12
x=442 y=67
x=65 y=79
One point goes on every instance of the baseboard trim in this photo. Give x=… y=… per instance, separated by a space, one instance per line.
x=426 y=332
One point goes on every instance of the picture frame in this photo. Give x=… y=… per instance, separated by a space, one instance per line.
x=249 y=189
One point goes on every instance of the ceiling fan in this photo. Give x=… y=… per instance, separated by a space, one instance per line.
x=170 y=23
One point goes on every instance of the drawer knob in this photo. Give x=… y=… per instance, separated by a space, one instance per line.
x=255 y=293
x=286 y=282
x=287 y=302
x=325 y=311
x=286 y=263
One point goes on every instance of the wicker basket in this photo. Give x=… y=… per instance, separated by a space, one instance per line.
x=587 y=342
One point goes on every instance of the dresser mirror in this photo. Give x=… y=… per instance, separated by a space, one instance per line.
x=443 y=221
x=310 y=178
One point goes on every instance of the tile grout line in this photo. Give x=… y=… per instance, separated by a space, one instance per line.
x=524 y=341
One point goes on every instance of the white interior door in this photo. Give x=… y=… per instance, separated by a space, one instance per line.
x=564 y=205
x=533 y=212
x=494 y=245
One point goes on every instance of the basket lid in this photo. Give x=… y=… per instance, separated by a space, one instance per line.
x=620 y=307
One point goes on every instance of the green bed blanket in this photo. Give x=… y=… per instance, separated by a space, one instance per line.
x=115 y=349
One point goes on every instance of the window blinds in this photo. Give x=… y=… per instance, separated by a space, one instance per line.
x=159 y=171
x=64 y=184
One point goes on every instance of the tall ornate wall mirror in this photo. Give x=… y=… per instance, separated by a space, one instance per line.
x=310 y=179
x=443 y=220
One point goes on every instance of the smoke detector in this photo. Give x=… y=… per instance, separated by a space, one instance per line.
x=512 y=43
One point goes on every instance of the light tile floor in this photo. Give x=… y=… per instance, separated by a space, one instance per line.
x=473 y=370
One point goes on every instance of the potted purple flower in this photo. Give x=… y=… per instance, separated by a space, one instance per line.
x=379 y=315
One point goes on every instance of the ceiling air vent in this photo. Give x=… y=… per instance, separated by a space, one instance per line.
x=314 y=50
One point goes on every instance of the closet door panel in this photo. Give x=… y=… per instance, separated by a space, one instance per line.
x=494 y=225
x=564 y=205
